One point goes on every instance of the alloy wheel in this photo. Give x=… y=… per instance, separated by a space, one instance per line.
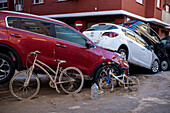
x=123 y=53
x=155 y=67
x=4 y=68
x=164 y=65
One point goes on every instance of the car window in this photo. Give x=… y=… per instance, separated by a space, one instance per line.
x=144 y=27
x=148 y=30
x=68 y=34
x=130 y=35
x=102 y=27
x=141 y=41
x=37 y=26
x=13 y=22
x=154 y=35
x=33 y=25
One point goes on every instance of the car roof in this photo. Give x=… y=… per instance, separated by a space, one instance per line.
x=100 y=24
x=13 y=13
x=118 y=26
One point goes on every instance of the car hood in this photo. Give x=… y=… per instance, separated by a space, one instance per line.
x=112 y=55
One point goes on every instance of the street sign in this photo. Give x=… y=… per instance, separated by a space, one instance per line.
x=79 y=24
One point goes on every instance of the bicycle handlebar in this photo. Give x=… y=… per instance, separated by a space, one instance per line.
x=35 y=53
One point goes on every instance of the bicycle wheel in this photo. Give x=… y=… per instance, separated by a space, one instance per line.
x=71 y=80
x=20 y=91
x=103 y=85
x=133 y=83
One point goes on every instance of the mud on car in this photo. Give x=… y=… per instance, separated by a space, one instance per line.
x=22 y=33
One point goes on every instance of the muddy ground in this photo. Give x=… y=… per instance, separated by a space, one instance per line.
x=153 y=96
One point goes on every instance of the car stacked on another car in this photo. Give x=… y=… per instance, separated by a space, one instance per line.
x=129 y=44
x=166 y=42
x=152 y=38
x=22 y=33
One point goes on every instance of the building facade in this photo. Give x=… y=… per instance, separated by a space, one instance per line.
x=154 y=12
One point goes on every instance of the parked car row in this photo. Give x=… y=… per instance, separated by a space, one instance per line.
x=137 y=46
x=22 y=33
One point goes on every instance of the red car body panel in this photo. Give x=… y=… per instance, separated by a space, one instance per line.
x=86 y=59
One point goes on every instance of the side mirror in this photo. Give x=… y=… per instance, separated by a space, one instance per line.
x=88 y=44
x=163 y=41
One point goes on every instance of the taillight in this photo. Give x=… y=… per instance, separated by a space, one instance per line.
x=128 y=26
x=110 y=34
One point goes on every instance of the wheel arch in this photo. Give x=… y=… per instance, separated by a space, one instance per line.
x=102 y=64
x=123 y=46
x=12 y=53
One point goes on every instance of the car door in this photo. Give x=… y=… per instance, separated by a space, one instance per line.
x=70 y=45
x=137 y=52
x=29 y=35
x=146 y=53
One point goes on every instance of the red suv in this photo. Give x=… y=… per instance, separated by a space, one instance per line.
x=21 y=34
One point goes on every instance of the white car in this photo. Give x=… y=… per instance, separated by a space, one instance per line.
x=130 y=45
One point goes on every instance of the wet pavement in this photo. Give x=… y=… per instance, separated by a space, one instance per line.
x=153 y=96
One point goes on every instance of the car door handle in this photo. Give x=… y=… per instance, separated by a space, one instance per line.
x=59 y=45
x=16 y=35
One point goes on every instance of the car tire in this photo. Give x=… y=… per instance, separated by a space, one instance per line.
x=164 y=65
x=123 y=53
x=7 y=68
x=155 y=67
x=103 y=72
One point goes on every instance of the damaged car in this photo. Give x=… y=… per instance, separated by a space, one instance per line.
x=166 y=41
x=152 y=38
x=22 y=33
x=130 y=45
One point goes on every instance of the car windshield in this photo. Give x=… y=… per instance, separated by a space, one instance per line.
x=102 y=27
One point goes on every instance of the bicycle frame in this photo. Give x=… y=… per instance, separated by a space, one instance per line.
x=117 y=77
x=128 y=82
x=35 y=63
x=26 y=84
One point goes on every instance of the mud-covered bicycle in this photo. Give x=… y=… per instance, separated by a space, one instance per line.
x=26 y=84
x=108 y=77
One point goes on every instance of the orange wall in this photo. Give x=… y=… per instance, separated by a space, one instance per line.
x=53 y=7
x=133 y=7
x=158 y=11
x=148 y=9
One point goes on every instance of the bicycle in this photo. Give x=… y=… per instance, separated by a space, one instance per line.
x=26 y=84
x=128 y=82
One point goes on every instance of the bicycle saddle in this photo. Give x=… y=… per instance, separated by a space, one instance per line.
x=61 y=61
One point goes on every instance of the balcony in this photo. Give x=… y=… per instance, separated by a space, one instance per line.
x=165 y=16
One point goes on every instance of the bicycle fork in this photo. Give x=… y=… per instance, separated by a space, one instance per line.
x=29 y=76
x=30 y=73
x=110 y=75
x=55 y=79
